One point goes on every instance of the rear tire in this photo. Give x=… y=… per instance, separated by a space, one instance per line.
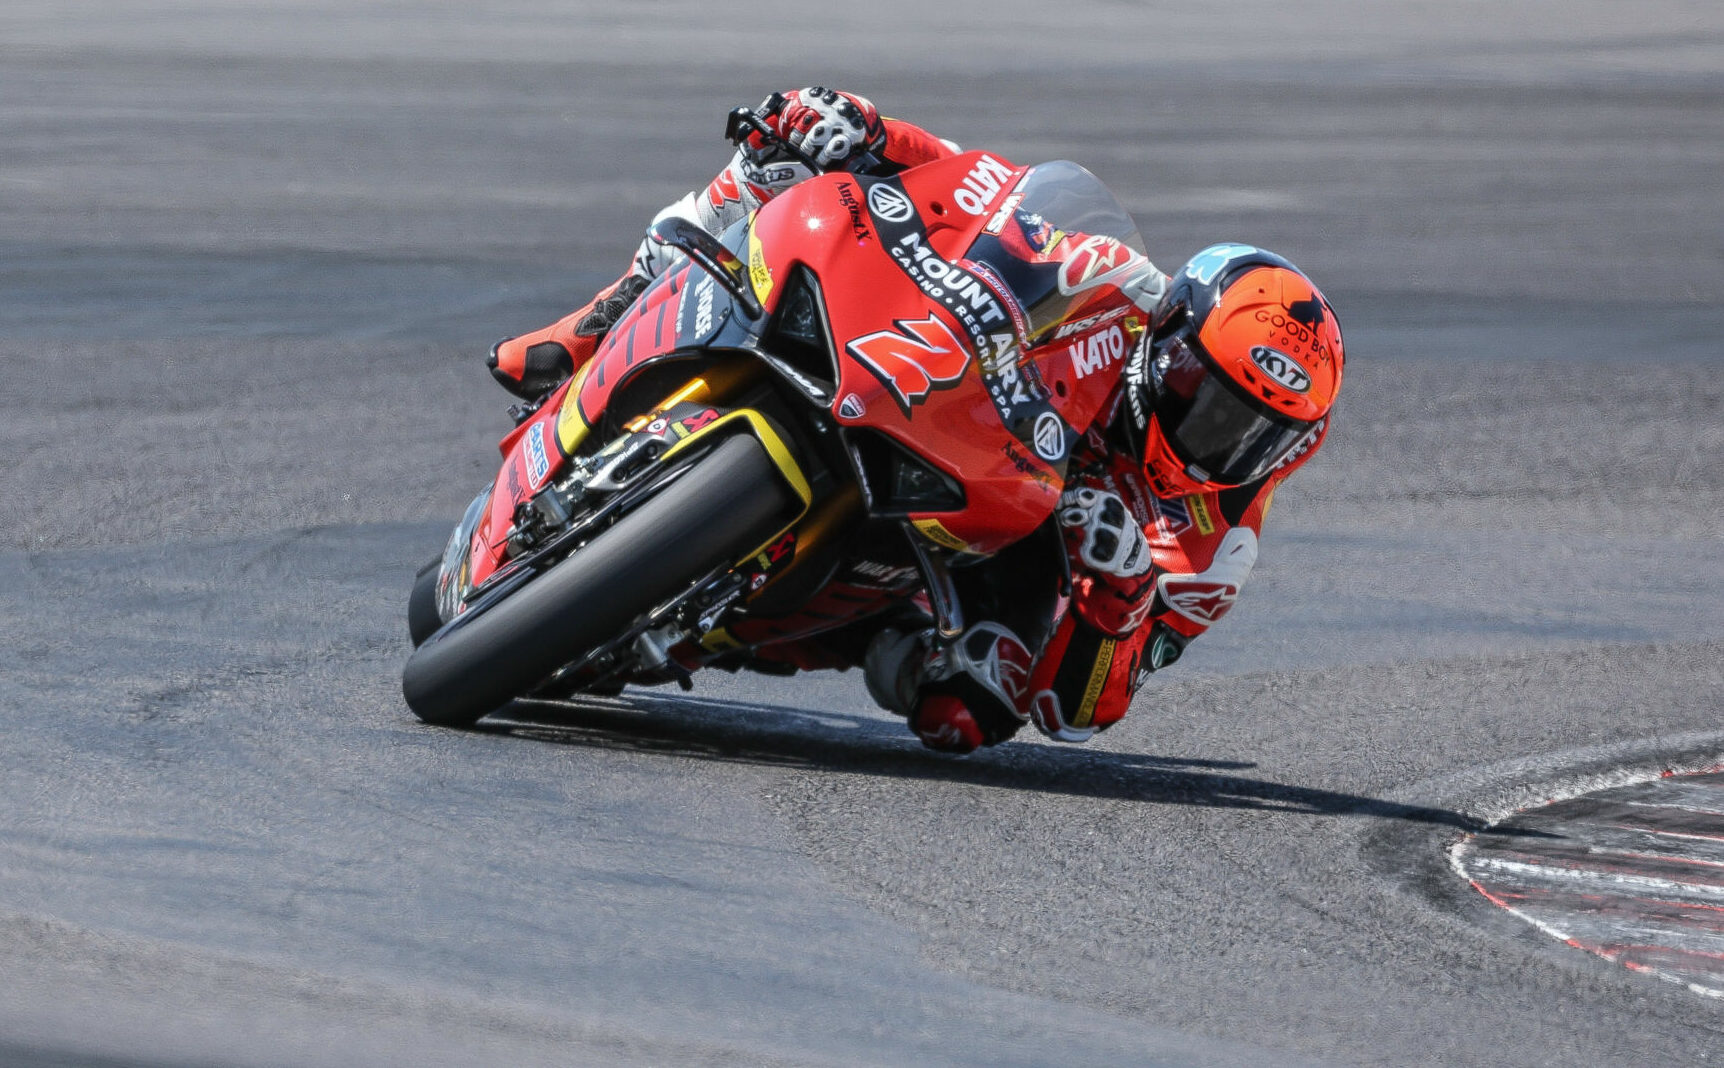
x=730 y=503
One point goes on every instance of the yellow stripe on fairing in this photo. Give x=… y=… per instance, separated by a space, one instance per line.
x=571 y=428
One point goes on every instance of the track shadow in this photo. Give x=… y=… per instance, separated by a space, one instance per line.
x=779 y=736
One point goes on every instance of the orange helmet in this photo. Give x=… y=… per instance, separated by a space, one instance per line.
x=1236 y=374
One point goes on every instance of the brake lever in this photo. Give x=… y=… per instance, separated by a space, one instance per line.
x=743 y=121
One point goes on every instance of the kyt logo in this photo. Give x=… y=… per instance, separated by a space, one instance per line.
x=1281 y=367
x=913 y=360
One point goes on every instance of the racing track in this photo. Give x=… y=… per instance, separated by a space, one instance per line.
x=249 y=258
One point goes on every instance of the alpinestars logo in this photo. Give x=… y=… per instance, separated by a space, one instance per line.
x=1205 y=597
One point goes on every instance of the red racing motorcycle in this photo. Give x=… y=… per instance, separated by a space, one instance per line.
x=806 y=425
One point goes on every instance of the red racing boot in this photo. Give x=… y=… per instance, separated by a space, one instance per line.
x=945 y=724
x=532 y=365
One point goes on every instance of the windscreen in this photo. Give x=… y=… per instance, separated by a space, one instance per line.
x=1055 y=238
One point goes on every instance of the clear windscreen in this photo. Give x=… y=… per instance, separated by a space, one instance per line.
x=1058 y=236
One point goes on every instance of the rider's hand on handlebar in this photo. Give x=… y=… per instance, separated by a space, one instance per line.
x=831 y=127
x=1113 y=543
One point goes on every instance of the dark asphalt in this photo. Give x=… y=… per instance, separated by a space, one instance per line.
x=250 y=257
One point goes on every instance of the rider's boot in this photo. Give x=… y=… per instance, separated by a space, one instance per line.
x=532 y=365
x=956 y=698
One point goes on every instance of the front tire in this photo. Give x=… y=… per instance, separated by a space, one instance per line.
x=730 y=503
x=422 y=618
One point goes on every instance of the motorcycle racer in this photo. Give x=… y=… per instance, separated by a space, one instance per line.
x=1234 y=364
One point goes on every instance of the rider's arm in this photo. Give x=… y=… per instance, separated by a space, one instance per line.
x=815 y=120
x=1120 y=627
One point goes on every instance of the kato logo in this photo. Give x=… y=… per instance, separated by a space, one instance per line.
x=1098 y=351
x=981 y=185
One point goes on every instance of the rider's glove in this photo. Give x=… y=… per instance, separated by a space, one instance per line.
x=1113 y=543
x=835 y=129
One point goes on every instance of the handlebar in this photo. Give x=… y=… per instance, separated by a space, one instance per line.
x=743 y=121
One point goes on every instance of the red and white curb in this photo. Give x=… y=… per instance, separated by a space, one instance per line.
x=1634 y=874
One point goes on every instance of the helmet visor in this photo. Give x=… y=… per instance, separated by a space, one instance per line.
x=1215 y=428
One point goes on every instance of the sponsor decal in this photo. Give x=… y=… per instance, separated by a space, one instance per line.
x=1026 y=466
x=1206 y=597
x=1296 y=331
x=1206 y=266
x=1097 y=683
x=759 y=275
x=912 y=361
x=776 y=174
x=538 y=463
x=935 y=532
x=703 y=292
x=1018 y=395
x=981 y=185
x=1098 y=351
x=1281 y=367
x=889 y=204
x=1171 y=515
x=883 y=574
x=1137 y=384
x=1004 y=215
x=1164 y=648
x=682 y=428
x=1198 y=506
x=1079 y=326
x=1095 y=260
x=776 y=554
x=858 y=224
x=851 y=407
x=1199 y=600
x=1020 y=322
x=1050 y=438
x=1303 y=446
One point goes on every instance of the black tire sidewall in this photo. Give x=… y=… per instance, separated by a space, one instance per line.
x=731 y=502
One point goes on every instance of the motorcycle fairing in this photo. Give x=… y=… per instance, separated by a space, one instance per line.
x=661 y=440
x=926 y=349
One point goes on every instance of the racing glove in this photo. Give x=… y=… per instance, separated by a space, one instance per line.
x=1113 y=543
x=835 y=129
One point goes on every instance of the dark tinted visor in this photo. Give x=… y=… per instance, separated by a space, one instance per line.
x=1212 y=424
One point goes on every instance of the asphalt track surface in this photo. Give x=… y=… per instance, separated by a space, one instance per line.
x=250 y=256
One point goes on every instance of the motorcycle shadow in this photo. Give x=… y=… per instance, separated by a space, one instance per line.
x=841 y=743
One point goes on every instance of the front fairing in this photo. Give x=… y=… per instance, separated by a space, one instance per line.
x=943 y=345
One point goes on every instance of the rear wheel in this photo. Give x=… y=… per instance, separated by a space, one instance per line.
x=730 y=503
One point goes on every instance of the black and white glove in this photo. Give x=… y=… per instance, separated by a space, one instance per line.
x=833 y=128
x=1113 y=543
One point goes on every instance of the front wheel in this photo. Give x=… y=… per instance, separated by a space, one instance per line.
x=732 y=501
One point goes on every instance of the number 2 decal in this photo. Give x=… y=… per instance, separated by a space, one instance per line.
x=912 y=361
